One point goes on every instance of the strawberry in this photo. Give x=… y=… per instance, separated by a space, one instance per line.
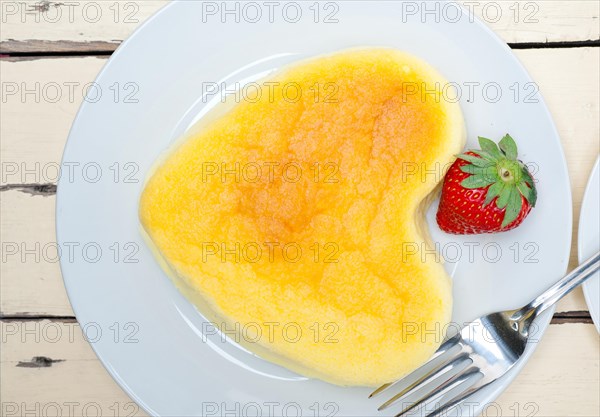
x=486 y=191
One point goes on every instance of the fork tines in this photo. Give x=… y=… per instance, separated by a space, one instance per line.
x=452 y=369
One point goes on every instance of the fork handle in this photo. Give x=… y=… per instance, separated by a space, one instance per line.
x=549 y=297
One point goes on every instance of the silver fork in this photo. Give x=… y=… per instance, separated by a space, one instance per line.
x=480 y=353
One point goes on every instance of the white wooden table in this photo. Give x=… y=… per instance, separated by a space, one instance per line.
x=51 y=48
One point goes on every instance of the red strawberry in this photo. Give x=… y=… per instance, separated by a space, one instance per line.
x=486 y=191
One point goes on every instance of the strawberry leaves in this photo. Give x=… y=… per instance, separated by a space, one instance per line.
x=529 y=193
x=509 y=147
x=490 y=147
x=504 y=197
x=496 y=169
x=493 y=192
x=477 y=181
x=475 y=160
x=482 y=169
x=527 y=187
x=489 y=171
x=513 y=208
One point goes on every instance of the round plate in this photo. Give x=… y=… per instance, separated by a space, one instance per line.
x=151 y=339
x=589 y=242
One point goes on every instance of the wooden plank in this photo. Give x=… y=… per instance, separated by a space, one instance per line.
x=575 y=111
x=562 y=317
x=34 y=129
x=42 y=47
x=569 y=386
x=561 y=379
x=541 y=21
x=33 y=135
x=52 y=367
x=57 y=26
x=35 y=124
x=32 y=284
x=54 y=26
x=67 y=373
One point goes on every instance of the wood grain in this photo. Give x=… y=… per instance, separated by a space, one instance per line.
x=37 y=375
x=563 y=372
x=561 y=379
x=36 y=47
x=35 y=125
x=575 y=111
x=91 y=26
x=77 y=26
x=34 y=130
x=31 y=282
x=33 y=136
x=79 y=385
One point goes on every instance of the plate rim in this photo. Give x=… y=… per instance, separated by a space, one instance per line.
x=587 y=194
x=543 y=320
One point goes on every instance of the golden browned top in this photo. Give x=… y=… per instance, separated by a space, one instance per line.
x=296 y=205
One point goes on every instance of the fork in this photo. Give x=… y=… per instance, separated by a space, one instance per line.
x=483 y=351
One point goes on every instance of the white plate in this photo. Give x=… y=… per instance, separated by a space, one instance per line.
x=171 y=368
x=589 y=240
